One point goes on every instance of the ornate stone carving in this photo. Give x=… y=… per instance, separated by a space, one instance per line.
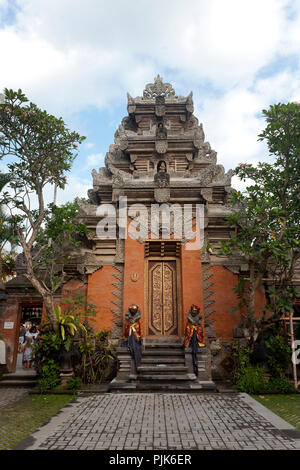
x=160 y=108
x=207 y=194
x=120 y=251
x=162 y=183
x=103 y=177
x=129 y=124
x=158 y=88
x=131 y=107
x=162 y=178
x=21 y=264
x=162 y=195
x=198 y=137
x=190 y=103
x=161 y=131
x=85 y=208
x=89 y=264
x=161 y=146
x=120 y=175
x=93 y=197
x=161 y=143
x=214 y=174
x=121 y=138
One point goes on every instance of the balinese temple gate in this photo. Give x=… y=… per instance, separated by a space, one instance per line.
x=159 y=168
x=160 y=159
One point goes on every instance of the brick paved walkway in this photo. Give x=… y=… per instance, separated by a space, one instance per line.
x=9 y=395
x=160 y=421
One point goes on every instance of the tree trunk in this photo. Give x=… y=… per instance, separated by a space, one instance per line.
x=254 y=283
x=251 y=304
x=46 y=294
x=2 y=286
x=47 y=299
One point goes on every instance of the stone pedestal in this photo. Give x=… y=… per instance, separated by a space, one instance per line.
x=126 y=371
x=65 y=376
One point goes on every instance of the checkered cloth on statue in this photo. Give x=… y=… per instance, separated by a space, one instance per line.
x=193 y=336
x=194 y=324
x=132 y=317
x=132 y=333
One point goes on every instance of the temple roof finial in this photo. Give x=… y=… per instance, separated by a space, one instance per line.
x=158 y=88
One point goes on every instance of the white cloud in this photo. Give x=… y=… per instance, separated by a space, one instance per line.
x=71 y=54
x=95 y=159
x=233 y=121
x=75 y=187
x=89 y=145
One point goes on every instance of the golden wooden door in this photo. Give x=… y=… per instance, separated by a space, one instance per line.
x=162 y=298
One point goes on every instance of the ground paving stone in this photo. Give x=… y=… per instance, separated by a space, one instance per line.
x=161 y=421
x=9 y=395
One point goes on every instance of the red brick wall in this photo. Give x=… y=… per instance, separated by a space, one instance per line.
x=99 y=291
x=191 y=273
x=70 y=289
x=225 y=299
x=134 y=290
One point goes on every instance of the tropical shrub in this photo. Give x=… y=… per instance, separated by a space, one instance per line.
x=279 y=357
x=280 y=385
x=98 y=359
x=74 y=383
x=50 y=376
x=92 y=356
x=251 y=380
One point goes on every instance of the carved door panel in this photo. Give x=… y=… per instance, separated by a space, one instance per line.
x=163 y=318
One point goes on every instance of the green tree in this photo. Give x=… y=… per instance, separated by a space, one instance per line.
x=40 y=150
x=7 y=236
x=265 y=218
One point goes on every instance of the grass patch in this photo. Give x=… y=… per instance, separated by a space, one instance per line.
x=24 y=417
x=285 y=406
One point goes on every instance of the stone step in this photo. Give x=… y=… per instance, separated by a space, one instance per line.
x=163 y=346
x=164 y=360
x=25 y=376
x=163 y=340
x=178 y=387
x=165 y=367
x=162 y=352
x=166 y=377
x=162 y=369
x=18 y=383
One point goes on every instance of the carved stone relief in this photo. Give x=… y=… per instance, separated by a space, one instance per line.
x=158 y=88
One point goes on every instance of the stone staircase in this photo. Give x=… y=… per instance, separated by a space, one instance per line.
x=165 y=366
x=27 y=379
x=21 y=378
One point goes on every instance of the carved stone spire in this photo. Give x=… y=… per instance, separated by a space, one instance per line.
x=158 y=88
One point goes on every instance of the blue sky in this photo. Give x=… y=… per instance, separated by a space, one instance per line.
x=78 y=59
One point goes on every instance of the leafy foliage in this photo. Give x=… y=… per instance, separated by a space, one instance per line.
x=68 y=324
x=98 y=358
x=55 y=242
x=40 y=149
x=279 y=357
x=251 y=380
x=47 y=346
x=265 y=219
x=49 y=377
x=93 y=356
x=44 y=147
x=74 y=383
